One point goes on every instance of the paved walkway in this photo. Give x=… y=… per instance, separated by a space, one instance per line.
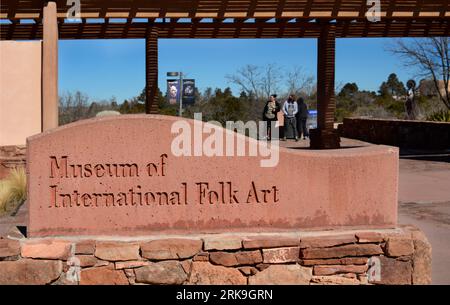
x=424 y=201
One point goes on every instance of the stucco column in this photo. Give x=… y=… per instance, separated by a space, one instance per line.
x=49 y=67
x=325 y=136
x=151 y=71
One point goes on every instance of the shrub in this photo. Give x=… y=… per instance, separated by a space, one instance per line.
x=440 y=116
x=13 y=191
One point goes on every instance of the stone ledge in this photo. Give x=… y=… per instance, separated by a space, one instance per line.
x=402 y=256
x=401 y=133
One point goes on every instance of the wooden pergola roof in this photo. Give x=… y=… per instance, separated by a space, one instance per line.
x=22 y=19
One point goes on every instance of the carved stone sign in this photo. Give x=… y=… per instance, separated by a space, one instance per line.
x=125 y=175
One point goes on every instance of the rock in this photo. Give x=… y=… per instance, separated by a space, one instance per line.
x=249 y=257
x=222 y=243
x=117 y=251
x=187 y=265
x=14 y=233
x=29 y=272
x=363 y=279
x=282 y=275
x=281 y=255
x=129 y=273
x=46 y=249
x=201 y=257
x=66 y=280
x=131 y=264
x=335 y=269
x=204 y=273
x=342 y=251
x=334 y=280
x=235 y=259
x=327 y=241
x=167 y=272
x=404 y=258
x=171 y=249
x=9 y=247
x=269 y=242
x=101 y=263
x=336 y=261
x=85 y=247
x=262 y=267
x=421 y=259
x=399 y=246
x=103 y=276
x=248 y=270
x=87 y=260
x=223 y=258
x=369 y=237
x=393 y=272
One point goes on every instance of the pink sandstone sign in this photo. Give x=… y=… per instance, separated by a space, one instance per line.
x=124 y=176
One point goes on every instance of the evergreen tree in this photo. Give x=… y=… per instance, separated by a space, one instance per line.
x=392 y=87
x=348 y=90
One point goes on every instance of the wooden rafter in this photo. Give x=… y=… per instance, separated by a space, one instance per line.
x=237 y=29
x=399 y=18
x=17 y=9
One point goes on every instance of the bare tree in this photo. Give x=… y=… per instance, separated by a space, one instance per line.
x=262 y=81
x=73 y=107
x=431 y=58
x=270 y=80
x=259 y=82
x=248 y=78
x=299 y=83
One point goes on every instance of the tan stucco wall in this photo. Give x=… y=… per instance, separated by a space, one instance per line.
x=20 y=91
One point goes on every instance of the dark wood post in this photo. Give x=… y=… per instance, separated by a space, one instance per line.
x=325 y=136
x=50 y=101
x=151 y=71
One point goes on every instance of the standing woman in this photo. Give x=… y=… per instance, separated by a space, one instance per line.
x=410 y=104
x=271 y=109
x=302 y=117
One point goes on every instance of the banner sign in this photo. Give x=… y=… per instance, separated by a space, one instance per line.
x=188 y=91
x=173 y=91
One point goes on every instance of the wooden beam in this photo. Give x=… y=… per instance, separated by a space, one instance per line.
x=325 y=137
x=15 y=9
x=236 y=29
x=49 y=67
x=151 y=71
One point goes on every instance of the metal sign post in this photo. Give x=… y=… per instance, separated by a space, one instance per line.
x=181 y=94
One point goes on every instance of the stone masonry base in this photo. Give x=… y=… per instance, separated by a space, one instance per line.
x=395 y=256
x=11 y=157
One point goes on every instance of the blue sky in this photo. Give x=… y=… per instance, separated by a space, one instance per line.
x=106 y=68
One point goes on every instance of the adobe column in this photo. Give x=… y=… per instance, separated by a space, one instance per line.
x=151 y=71
x=325 y=136
x=49 y=67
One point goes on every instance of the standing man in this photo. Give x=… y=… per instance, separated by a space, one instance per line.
x=290 y=109
x=302 y=117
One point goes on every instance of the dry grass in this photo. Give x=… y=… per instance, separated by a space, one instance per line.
x=13 y=191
